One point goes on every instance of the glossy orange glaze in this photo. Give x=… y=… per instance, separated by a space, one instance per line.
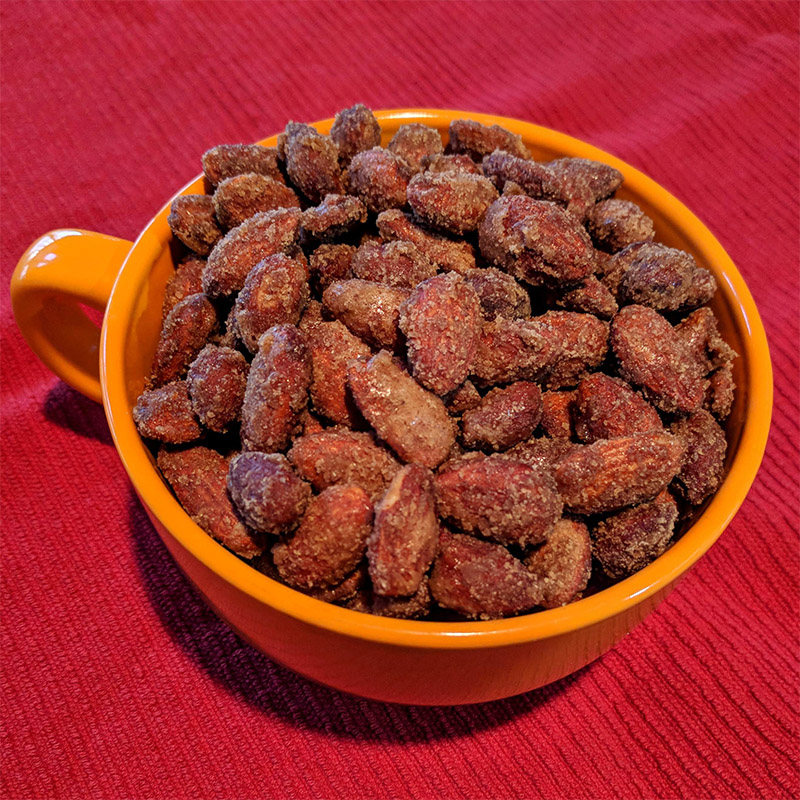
x=387 y=659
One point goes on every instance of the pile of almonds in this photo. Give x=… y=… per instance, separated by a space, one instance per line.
x=436 y=378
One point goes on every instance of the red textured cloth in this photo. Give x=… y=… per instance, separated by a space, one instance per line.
x=117 y=680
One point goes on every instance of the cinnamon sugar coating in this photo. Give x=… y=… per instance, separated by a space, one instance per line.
x=198 y=476
x=655 y=358
x=579 y=343
x=332 y=346
x=704 y=463
x=330 y=540
x=499 y=294
x=511 y=350
x=536 y=242
x=186 y=330
x=415 y=606
x=243 y=196
x=340 y=593
x=665 y=279
x=614 y=224
x=453 y=202
x=626 y=542
x=583 y=182
x=411 y=420
x=613 y=473
x=449 y=255
x=165 y=414
x=573 y=183
x=277 y=390
x=228 y=160
x=335 y=216
x=481 y=580
x=337 y=457
x=312 y=161
x=414 y=143
x=606 y=408
x=392 y=263
x=503 y=418
x=370 y=310
x=354 y=130
x=544 y=454
x=720 y=393
x=330 y=263
x=379 y=178
x=274 y=292
x=405 y=533
x=557 y=414
x=452 y=162
x=191 y=219
x=186 y=280
x=563 y=564
x=477 y=140
x=699 y=333
x=257 y=238
x=217 y=379
x=522 y=175
x=462 y=398
x=590 y=296
x=498 y=498
x=441 y=321
x=266 y=491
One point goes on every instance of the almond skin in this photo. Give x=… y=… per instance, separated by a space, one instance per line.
x=453 y=202
x=448 y=254
x=704 y=463
x=332 y=346
x=277 y=390
x=242 y=196
x=412 y=421
x=626 y=542
x=405 y=534
x=557 y=414
x=504 y=417
x=191 y=219
x=274 y=292
x=229 y=160
x=478 y=140
x=267 y=492
x=186 y=331
x=370 y=310
x=441 y=320
x=563 y=564
x=481 y=580
x=199 y=476
x=334 y=457
x=330 y=540
x=653 y=357
x=217 y=379
x=186 y=280
x=497 y=497
x=535 y=241
x=613 y=473
x=392 y=263
x=166 y=415
x=257 y=238
x=605 y=408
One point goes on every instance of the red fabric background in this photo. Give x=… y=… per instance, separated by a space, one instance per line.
x=117 y=681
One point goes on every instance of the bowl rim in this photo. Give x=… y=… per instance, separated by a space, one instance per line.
x=609 y=602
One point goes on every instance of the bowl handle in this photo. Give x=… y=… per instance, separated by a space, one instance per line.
x=60 y=272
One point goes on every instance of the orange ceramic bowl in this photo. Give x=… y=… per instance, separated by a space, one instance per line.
x=386 y=659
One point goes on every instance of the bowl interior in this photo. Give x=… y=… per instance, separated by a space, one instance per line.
x=132 y=326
